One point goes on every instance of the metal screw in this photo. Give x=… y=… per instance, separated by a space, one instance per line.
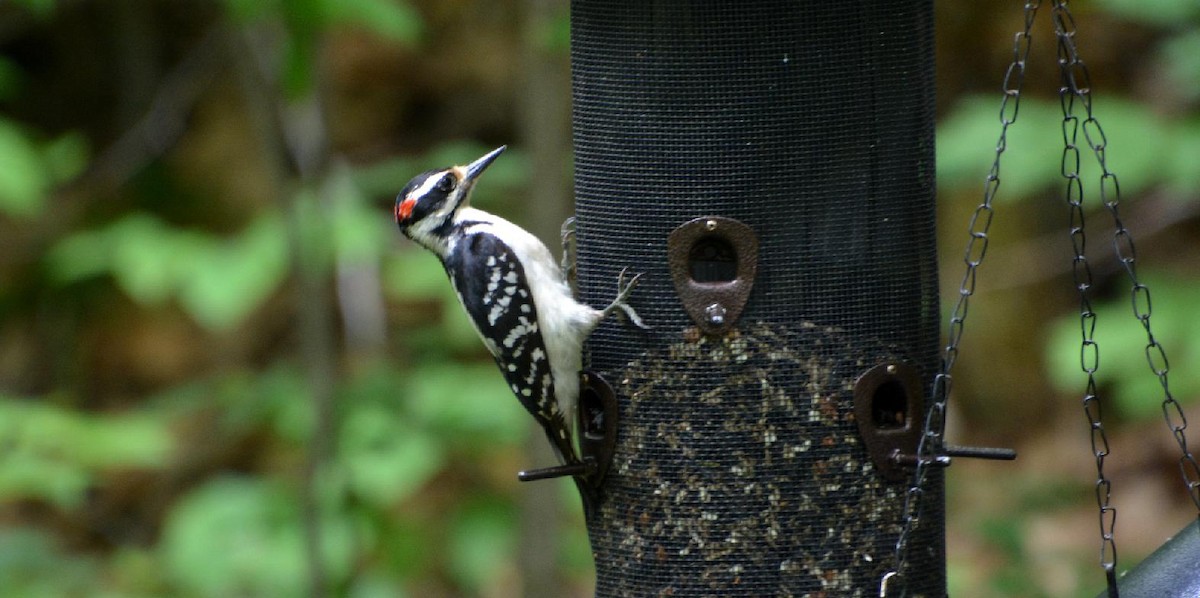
x=891 y=368
x=716 y=314
x=710 y=225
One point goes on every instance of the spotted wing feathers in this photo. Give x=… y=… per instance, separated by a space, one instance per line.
x=490 y=282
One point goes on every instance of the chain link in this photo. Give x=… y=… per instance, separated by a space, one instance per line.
x=1110 y=195
x=893 y=581
x=1077 y=89
x=1074 y=73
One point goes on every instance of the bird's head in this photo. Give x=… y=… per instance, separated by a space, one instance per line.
x=426 y=206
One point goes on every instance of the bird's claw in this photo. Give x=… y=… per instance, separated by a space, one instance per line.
x=624 y=290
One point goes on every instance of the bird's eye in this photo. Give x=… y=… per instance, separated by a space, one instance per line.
x=447 y=183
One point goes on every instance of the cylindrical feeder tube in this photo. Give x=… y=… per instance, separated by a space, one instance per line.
x=740 y=465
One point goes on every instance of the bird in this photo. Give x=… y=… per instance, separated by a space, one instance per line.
x=517 y=296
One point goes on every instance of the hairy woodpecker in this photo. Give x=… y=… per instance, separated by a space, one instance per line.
x=515 y=293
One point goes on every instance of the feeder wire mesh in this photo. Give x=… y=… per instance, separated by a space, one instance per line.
x=739 y=469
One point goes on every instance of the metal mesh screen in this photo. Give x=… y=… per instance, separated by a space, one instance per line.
x=738 y=469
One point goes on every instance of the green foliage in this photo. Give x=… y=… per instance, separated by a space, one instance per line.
x=237 y=536
x=387 y=460
x=305 y=20
x=481 y=543
x=1124 y=370
x=1143 y=148
x=32 y=168
x=447 y=397
x=55 y=453
x=218 y=281
x=1163 y=13
x=395 y=508
x=1181 y=55
x=31 y=566
x=391 y=20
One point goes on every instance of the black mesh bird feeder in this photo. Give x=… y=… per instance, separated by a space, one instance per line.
x=769 y=166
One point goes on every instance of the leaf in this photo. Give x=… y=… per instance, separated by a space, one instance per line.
x=359 y=233
x=413 y=273
x=217 y=281
x=375 y=584
x=65 y=157
x=55 y=454
x=1032 y=161
x=482 y=544
x=1181 y=60
x=244 y=537
x=144 y=258
x=227 y=280
x=1135 y=390
x=387 y=460
x=1163 y=13
x=249 y=11
x=79 y=256
x=391 y=20
x=469 y=401
x=31 y=565
x=23 y=180
x=1183 y=176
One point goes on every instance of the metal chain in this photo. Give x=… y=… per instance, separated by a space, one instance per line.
x=1074 y=72
x=893 y=582
x=1078 y=86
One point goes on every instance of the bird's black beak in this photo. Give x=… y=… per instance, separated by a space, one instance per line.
x=474 y=169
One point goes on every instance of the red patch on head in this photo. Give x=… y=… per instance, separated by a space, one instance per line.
x=404 y=208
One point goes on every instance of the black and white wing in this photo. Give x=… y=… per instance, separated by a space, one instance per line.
x=491 y=284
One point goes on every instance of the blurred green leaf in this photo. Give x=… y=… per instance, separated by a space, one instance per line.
x=31 y=566
x=1181 y=58
x=55 y=453
x=470 y=402
x=387 y=460
x=1135 y=390
x=228 y=279
x=1140 y=147
x=65 y=157
x=555 y=36
x=482 y=543
x=23 y=179
x=412 y=273
x=374 y=584
x=1163 y=13
x=359 y=231
x=146 y=260
x=391 y=20
x=1184 y=177
x=136 y=572
x=243 y=537
x=276 y=398
x=218 y=281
